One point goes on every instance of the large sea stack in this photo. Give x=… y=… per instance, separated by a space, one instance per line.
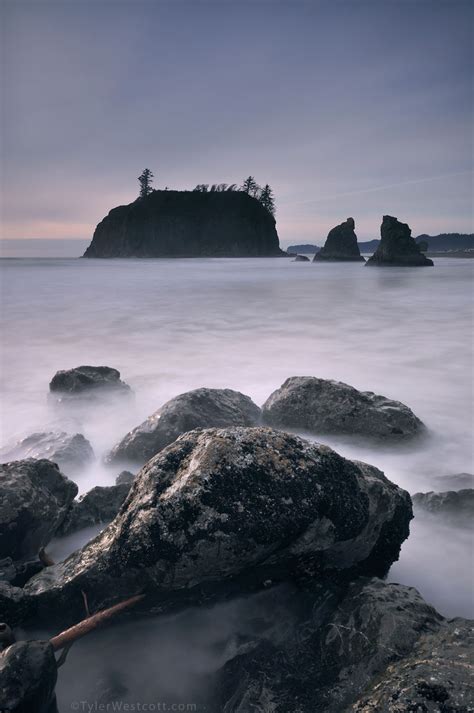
x=341 y=244
x=397 y=247
x=187 y=224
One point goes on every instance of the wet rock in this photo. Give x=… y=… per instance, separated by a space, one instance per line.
x=341 y=244
x=435 y=678
x=232 y=508
x=397 y=247
x=124 y=478
x=86 y=380
x=201 y=408
x=324 y=406
x=28 y=676
x=69 y=452
x=14 y=604
x=301 y=258
x=454 y=507
x=18 y=573
x=99 y=505
x=34 y=499
x=330 y=653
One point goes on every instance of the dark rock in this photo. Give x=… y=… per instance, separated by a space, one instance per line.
x=324 y=406
x=455 y=507
x=435 y=678
x=69 y=452
x=328 y=652
x=99 y=505
x=397 y=247
x=34 y=499
x=456 y=481
x=28 y=676
x=124 y=478
x=18 y=573
x=201 y=408
x=301 y=258
x=14 y=604
x=187 y=224
x=341 y=244
x=236 y=507
x=86 y=379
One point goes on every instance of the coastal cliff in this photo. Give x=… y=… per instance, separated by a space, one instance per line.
x=187 y=224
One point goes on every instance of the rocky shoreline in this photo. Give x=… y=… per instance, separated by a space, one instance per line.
x=229 y=502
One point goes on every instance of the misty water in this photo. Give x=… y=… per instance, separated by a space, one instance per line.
x=174 y=325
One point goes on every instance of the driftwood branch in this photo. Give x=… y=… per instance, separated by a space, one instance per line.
x=67 y=637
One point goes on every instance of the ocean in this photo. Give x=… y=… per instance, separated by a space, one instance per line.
x=246 y=324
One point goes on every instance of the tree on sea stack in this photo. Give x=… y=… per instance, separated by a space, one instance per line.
x=251 y=186
x=145 y=180
x=267 y=199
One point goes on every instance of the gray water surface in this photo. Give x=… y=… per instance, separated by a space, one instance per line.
x=248 y=324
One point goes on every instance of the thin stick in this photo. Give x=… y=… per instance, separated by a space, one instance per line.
x=93 y=622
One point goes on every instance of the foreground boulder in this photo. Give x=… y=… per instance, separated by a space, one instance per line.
x=231 y=508
x=187 y=224
x=341 y=244
x=34 y=499
x=435 y=678
x=87 y=379
x=99 y=505
x=453 y=507
x=397 y=247
x=69 y=452
x=28 y=676
x=329 y=647
x=201 y=408
x=324 y=406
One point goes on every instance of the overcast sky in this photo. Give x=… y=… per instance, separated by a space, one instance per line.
x=346 y=107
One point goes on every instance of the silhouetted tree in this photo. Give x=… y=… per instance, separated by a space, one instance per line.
x=251 y=186
x=267 y=199
x=145 y=180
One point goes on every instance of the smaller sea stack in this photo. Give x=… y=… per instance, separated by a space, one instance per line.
x=341 y=244
x=397 y=247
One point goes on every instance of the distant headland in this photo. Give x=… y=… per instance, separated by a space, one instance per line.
x=220 y=221
x=442 y=244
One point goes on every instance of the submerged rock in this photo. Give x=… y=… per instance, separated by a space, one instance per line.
x=301 y=258
x=329 y=650
x=397 y=247
x=69 y=452
x=99 y=505
x=201 y=408
x=325 y=406
x=341 y=244
x=435 y=678
x=87 y=379
x=28 y=674
x=34 y=499
x=454 y=507
x=226 y=508
x=187 y=224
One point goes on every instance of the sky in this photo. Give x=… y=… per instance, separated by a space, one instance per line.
x=346 y=107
